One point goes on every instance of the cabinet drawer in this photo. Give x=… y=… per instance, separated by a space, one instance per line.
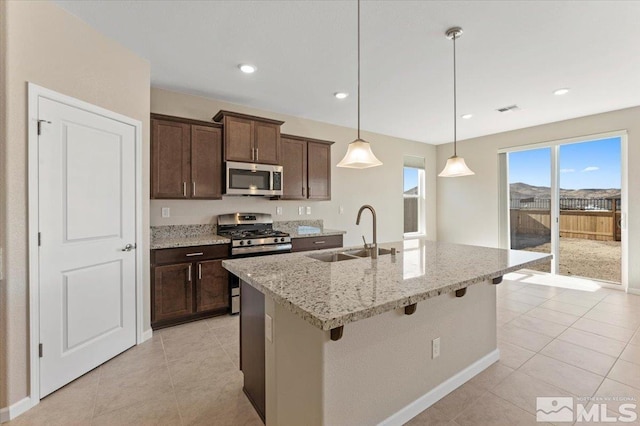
x=189 y=254
x=316 y=243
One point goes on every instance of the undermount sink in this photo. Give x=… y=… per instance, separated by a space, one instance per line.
x=346 y=255
x=332 y=257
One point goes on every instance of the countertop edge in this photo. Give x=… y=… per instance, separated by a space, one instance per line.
x=165 y=243
x=328 y=324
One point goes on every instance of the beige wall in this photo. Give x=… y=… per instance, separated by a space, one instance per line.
x=468 y=207
x=379 y=186
x=3 y=121
x=49 y=47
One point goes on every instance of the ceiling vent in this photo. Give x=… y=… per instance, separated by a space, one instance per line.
x=508 y=109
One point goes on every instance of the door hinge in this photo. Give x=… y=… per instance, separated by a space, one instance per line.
x=39 y=239
x=40 y=350
x=40 y=125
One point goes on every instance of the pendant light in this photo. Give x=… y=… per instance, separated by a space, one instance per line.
x=359 y=154
x=455 y=165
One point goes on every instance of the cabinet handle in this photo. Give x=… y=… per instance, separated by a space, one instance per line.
x=256 y=154
x=199 y=271
x=303 y=191
x=194 y=189
x=184 y=189
x=309 y=191
x=253 y=154
x=319 y=242
x=189 y=274
x=195 y=254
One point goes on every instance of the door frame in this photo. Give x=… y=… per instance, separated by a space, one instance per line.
x=554 y=145
x=34 y=93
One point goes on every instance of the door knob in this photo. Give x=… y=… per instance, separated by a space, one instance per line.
x=129 y=247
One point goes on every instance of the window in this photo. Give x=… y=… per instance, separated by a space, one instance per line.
x=414 y=196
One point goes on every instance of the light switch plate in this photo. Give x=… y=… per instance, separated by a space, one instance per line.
x=279 y=210
x=300 y=210
x=268 y=327
x=435 y=348
x=308 y=209
x=166 y=212
x=341 y=209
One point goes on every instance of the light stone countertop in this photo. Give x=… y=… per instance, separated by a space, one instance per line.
x=188 y=241
x=328 y=295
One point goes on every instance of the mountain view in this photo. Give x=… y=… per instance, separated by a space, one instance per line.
x=520 y=190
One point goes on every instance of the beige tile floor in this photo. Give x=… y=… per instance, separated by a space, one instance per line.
x=185 y=375
x=553 y=342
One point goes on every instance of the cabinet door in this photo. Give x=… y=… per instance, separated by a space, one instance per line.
x=206 y=162
x=212 y=286
x=267 y=143
x=319 y=171
x=172 y=291
x=170 y=159
x=238 y=139
x=294 y=173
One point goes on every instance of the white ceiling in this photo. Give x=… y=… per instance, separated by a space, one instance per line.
x=512 y=52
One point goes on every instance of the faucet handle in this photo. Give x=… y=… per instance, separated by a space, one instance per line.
x=364 y=241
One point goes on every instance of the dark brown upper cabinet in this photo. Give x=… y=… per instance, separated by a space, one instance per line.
x=306 y=168
x=186 y=158
x=250 y=139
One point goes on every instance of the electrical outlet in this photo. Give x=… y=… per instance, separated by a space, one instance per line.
x=308 y=209
x=341 y=210
x=279 y=211
x=300 y=210
x=435 y=348
x=166 y=212
x=268 y=327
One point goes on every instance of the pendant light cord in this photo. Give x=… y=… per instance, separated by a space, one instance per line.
x=455 y=112
x=358 y=69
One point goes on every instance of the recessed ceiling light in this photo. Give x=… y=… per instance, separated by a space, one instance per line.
x=561 y=92
x=341 y=95
x=247 y=69
x=467 y=116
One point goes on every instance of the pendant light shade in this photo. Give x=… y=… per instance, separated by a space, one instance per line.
x=455 y=166
x=359 y=154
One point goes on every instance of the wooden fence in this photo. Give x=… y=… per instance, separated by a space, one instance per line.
x=592 y=225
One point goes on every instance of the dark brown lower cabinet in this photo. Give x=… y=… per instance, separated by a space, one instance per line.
x=316 y=243
x=172 y=296
x=212 y=286
x=252 y=346
x=187 y=284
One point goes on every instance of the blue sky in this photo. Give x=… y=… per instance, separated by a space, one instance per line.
x=593 y=164
x=410 y=178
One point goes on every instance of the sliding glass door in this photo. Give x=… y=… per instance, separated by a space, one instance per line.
x=530 y=202
x=566 y=199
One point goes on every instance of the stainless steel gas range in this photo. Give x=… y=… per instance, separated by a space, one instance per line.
x=251 y=234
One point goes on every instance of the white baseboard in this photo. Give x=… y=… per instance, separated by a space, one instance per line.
x=440 y=391
x=146 y=335
x=635 y=291
x=13 y=411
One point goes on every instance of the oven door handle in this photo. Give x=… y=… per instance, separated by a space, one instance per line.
x=267 y=249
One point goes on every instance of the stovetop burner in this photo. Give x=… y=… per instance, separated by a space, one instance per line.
x=253 y=233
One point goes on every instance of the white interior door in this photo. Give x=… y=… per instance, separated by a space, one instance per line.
x=86 y=169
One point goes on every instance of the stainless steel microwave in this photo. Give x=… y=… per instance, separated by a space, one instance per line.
x=253 y=179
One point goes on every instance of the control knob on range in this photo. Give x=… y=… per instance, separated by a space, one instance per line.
x=282 y=240
x=275 y=240
x=248 y=242
x=241 y=243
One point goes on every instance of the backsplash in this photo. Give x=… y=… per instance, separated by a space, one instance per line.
x=178 y=231
x=291 y=226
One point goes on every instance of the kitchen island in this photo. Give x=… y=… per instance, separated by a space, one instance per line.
x=344 y=340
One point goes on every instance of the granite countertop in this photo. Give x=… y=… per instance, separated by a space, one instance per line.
x=188 y=241
x=328 y=295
